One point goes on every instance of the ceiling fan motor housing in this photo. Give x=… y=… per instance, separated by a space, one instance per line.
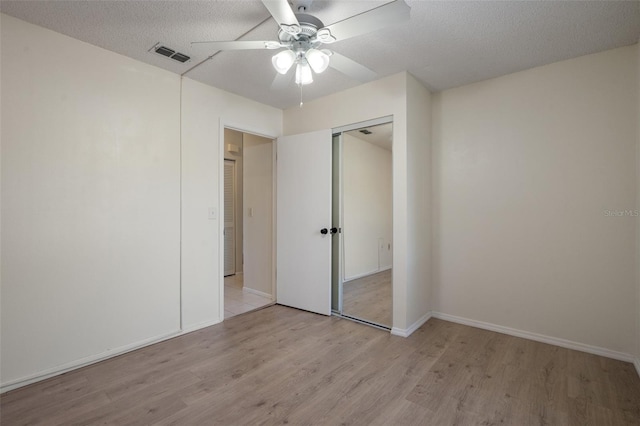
x=309 y=25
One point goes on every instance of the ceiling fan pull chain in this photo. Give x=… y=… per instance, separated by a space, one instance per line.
x=300 y=95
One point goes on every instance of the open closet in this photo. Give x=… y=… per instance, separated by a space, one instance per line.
x=334 y=222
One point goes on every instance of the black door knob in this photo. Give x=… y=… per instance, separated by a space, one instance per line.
x=324 y=231
x=334 y=230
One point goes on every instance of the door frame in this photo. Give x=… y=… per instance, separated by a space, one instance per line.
x=230 y=124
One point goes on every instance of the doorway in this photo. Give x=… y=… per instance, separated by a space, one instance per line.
x=362 y=205
x=248 y=222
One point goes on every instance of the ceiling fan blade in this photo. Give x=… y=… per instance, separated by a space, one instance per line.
x=282 y=81
x=284 y=16
x=382 y=16
x=237 y=45
x=351 y=68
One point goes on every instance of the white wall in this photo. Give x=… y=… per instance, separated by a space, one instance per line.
x=205 y=111
x=367 y=207
x=258 y=214
x=96 y=150
x=525 y=167
x=387 y=96
x=91 y=201
x=419 y=171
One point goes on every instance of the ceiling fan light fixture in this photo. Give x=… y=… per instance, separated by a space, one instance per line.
x=303 y=73
x=317 y=59
x=283 y=61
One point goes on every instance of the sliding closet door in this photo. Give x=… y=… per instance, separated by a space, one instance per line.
x=367 y=222
x=304 y=221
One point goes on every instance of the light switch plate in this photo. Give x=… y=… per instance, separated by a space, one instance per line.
x=213 y=214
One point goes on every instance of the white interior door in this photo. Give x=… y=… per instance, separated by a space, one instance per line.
x=229 y=217
x=303 y=210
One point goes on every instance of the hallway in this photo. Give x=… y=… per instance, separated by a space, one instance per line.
x=238 y=300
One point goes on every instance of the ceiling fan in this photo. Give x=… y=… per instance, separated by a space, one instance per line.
x=302 y=35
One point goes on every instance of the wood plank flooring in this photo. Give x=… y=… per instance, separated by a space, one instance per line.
x=369 y=298
x=284 y=366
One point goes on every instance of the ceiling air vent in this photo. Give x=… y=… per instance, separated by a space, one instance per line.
x=169 y=53
x=165 y=51
x=365 y=131
x=180 y=57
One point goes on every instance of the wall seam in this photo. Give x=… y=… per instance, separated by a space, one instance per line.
x=180 y=215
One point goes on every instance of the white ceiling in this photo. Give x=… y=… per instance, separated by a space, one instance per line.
x=445 y=44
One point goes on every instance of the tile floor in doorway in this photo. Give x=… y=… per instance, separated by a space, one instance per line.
x=238 y=301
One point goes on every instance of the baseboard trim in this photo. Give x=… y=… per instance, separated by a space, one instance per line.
x=83 y=362
x=366 y=274
x=569 y=344
x=406 y=332
x=257 y=292
x=636 y=363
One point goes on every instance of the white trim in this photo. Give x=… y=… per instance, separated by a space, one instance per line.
x=366 y=274
x=402 y=332
x=82 y=362
x=221 y=217
x=337 y=145
x=274 y=212
x=636 y=363
x=257 y=292
x=563 y=343
x=362 y=124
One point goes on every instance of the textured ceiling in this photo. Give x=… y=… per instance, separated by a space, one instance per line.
x=445 y=44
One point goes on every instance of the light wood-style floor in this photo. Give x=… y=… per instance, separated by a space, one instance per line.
x=369 y=298
x=284 y=366
x=239 y=301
